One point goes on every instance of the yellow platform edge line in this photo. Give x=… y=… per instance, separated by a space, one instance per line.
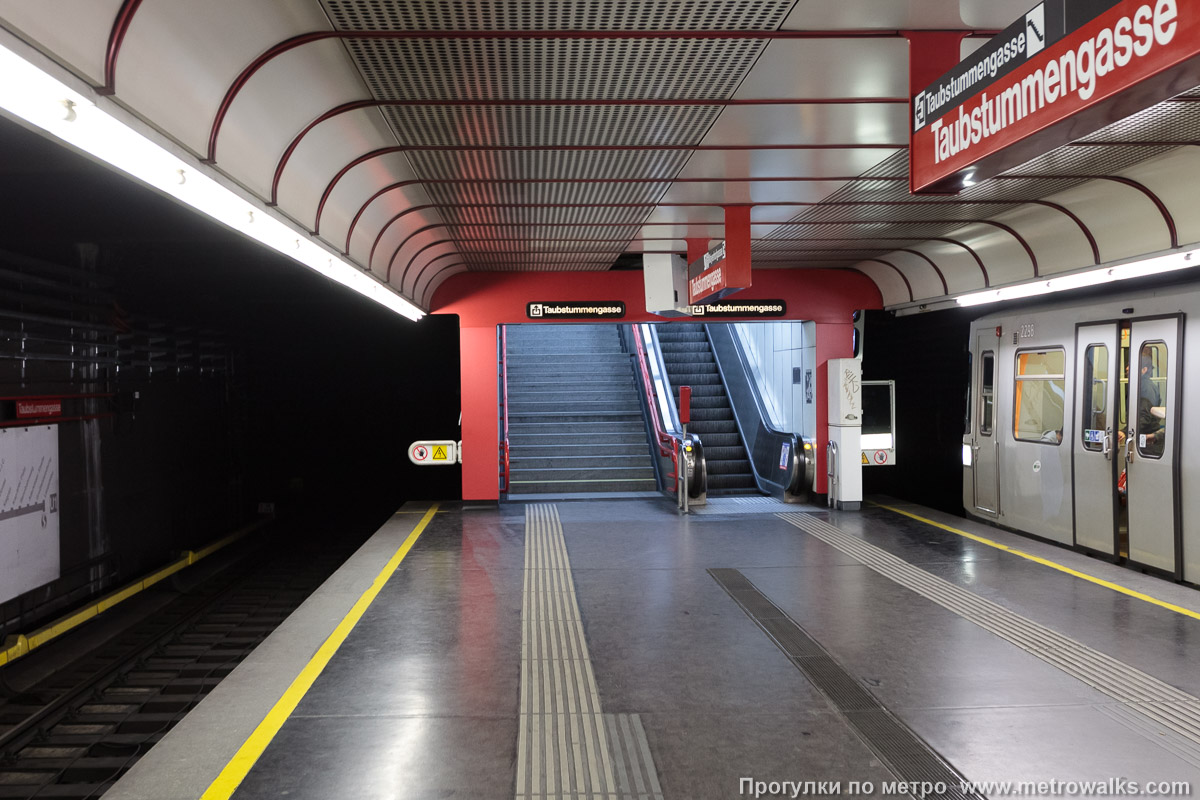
x=226 y=783
x=1116 y=587
x=23 y=644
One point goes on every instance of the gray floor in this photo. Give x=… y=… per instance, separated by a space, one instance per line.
x=422 y=700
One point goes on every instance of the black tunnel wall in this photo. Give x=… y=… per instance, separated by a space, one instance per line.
x=316 y=396
x=926 y=354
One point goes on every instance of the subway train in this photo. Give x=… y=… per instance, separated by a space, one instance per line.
x=1083 y=426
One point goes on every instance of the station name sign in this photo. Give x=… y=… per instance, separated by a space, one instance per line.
x=1065 y=69
x=742 y=308
x=575 y=309
x=39 y=408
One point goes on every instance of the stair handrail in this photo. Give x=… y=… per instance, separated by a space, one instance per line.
x=668 y=445
x=504 y=405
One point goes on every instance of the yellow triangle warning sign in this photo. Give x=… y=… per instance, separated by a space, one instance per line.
x=439 y=453
x=864 y=457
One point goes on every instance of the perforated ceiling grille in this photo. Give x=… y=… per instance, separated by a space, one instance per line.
x=629 y=15
x=550 y=125
x=545 y=193
x=510 y=215
x=559 y=164
x=580 y=69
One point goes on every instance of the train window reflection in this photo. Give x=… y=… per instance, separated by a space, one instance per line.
x=1152 y=400
x=1038 y=396
x=1095 y=399
x=987 y=392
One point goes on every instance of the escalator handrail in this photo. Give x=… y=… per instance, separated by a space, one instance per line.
x=504 y=404
x=795 y=441
x=668 y=445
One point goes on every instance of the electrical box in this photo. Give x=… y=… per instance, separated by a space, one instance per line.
x=665 y=275
x=845 y=392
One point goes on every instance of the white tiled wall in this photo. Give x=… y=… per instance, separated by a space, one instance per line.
x=775 y=348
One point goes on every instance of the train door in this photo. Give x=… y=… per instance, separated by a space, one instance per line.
x=1095 y=451
x=1152 y=443
x=984 y=451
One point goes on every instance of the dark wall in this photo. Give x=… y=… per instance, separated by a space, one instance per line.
x=310 y=399
x=926 y=354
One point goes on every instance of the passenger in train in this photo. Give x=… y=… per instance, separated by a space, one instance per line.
x=1151 y=411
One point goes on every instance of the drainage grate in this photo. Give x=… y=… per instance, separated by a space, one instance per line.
x=1174 y=714
x=908 y=756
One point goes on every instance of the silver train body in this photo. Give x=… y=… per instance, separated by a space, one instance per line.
x=1083 y=426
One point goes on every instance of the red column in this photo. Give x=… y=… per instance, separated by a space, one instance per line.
x=931 y=54
x=737 y=246
x=480 y=413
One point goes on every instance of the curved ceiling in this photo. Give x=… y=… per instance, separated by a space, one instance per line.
x=427 y=138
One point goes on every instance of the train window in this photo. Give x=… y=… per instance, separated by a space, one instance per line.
x=987 y=392
x=1095 y=397
x=1152 y=400
x=1038 y=396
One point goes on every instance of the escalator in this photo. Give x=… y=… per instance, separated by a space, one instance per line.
x=688 y=356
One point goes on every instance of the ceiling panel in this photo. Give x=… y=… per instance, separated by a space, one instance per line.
x=573 y=125
x=742 y=164
x=872 y=14
x=593 y=15
x=537 y=69
x=180 y=58
x=992 y=14
x=863 y=123
x=74 y=30
x=797 y=68
x=741 y=192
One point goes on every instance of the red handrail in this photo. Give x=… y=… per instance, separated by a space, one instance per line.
x=667 y=444
x=504 y=404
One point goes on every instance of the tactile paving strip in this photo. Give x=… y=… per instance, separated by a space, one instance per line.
x=1174 y=714
x=908 y=756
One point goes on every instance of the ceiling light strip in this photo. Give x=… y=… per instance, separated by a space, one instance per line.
x=1141 y=268
x=75 y=118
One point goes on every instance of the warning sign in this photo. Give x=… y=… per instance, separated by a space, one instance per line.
x=878 y=458
x=437 y=453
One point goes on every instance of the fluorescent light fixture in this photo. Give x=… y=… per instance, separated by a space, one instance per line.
x=46 y=103
x=1093 y=277
x=966 y=455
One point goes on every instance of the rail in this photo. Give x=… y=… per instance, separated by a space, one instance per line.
x=668 y=445
x=504 y=406
x=18 y=645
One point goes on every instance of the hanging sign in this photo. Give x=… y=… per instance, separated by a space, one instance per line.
x=1064 y=70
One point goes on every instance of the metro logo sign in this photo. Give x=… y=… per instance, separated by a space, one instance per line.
x=1044 y=81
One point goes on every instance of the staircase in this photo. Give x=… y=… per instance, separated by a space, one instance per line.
x=690 y=362
x=574 y=419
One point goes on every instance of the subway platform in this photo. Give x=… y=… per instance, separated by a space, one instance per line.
x=614 y=649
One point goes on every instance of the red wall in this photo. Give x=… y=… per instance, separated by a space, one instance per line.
x=484 y=300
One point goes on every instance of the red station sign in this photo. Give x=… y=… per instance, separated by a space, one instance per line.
x=37 y=408
x=1066 y=69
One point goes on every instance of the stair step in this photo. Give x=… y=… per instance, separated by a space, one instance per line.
x=570 y=447
x=563 y=487
x=576 y=462
x=582 y=474
x=728 y=466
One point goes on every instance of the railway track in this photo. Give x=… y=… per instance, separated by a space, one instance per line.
x=76 y=732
